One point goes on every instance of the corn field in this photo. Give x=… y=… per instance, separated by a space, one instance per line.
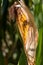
x=11 y=43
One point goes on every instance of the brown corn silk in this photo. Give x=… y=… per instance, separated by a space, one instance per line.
x=27 y=28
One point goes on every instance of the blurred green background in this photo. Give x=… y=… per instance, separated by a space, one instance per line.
x=11 y=48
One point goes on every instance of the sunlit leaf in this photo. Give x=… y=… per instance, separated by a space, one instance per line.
x=36 y=1
x=39 y=48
